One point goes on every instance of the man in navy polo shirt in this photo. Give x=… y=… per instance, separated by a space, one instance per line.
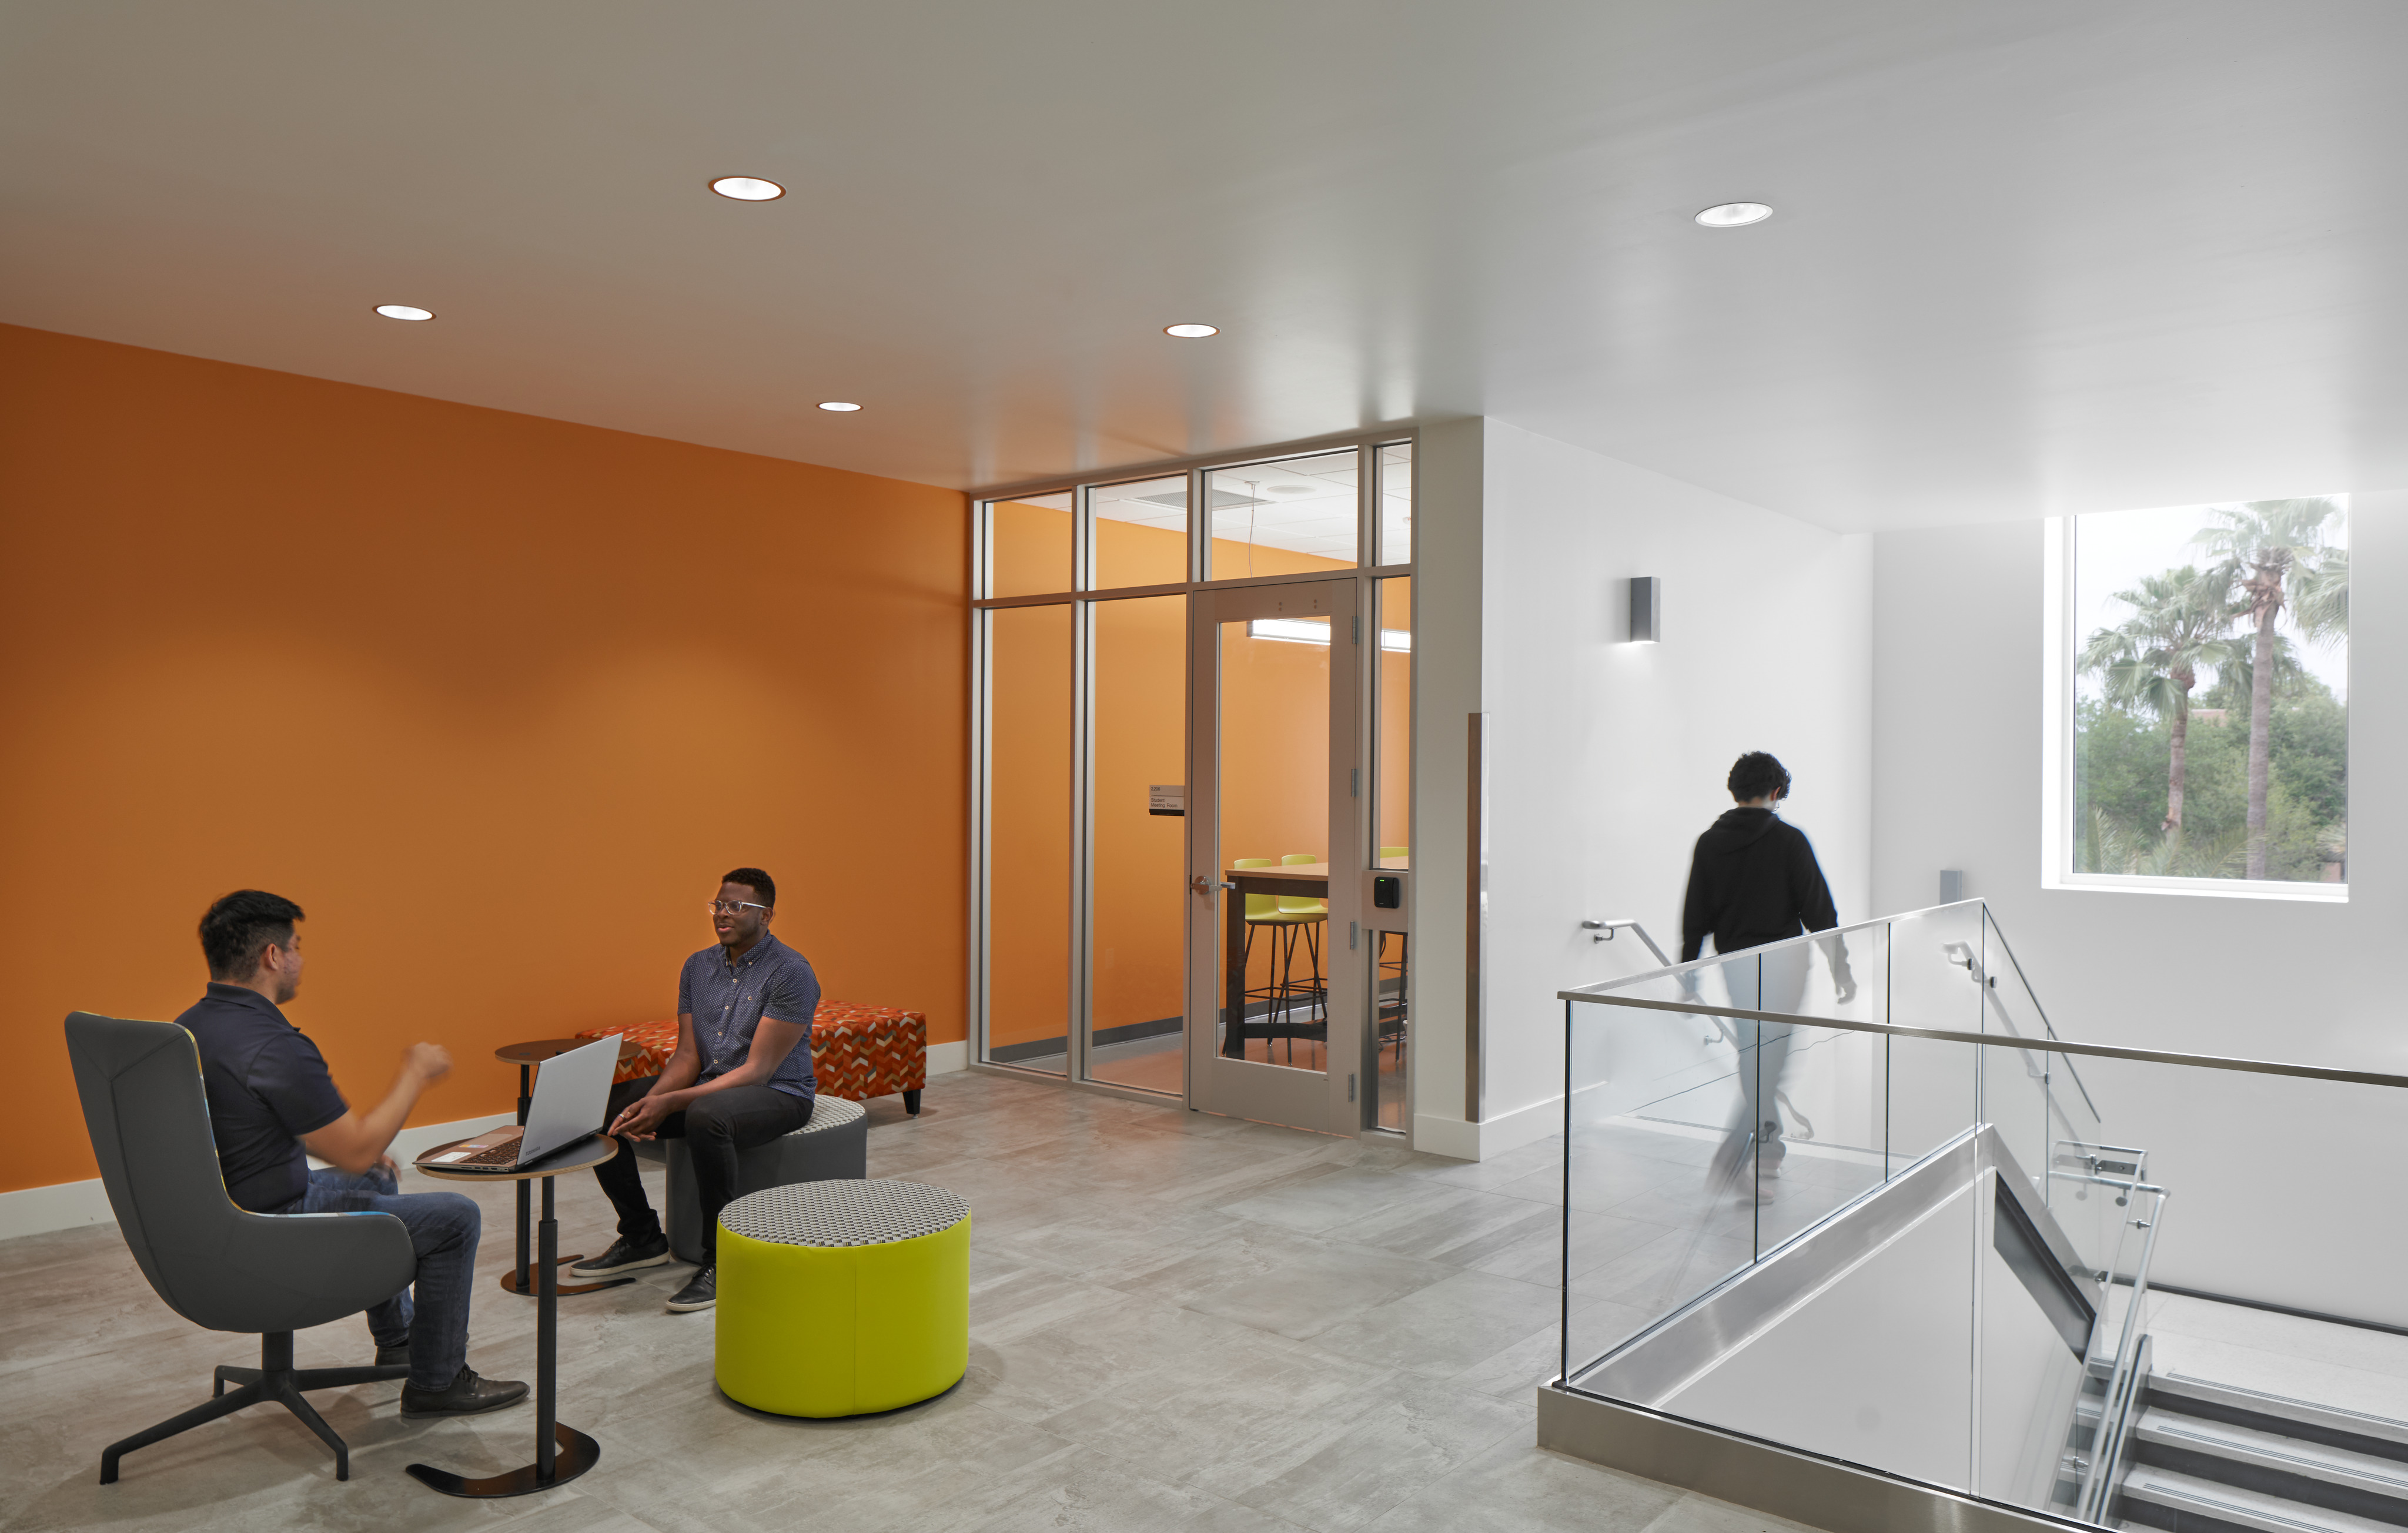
x=271 y=1100
x=741 y=1076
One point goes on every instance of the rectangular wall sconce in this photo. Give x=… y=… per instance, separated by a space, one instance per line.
x=1646 y=610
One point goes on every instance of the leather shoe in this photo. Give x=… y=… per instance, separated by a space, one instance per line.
x=701 y=1291
x=624 y=1255
x=392 y=1356
x=466 y=1395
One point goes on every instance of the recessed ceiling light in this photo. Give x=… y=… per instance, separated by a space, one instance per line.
x=1734 y=215
x=748 y=188
x=405 y=311
x=1191 y=332
x=840 y=407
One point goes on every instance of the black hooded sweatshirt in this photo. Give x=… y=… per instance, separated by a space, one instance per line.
x=1753 y=880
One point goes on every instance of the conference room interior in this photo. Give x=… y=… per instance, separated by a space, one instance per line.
x=1204 y=755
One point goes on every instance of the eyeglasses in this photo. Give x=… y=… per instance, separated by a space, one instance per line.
x=734 y=907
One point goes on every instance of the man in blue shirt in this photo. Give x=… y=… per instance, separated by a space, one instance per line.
x=271 y=1098
x=741 y=1076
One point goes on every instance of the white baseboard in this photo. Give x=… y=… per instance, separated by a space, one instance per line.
x=948 y=1059
x=34 y=1211
x=1458 y=1141
x=1450 y=1136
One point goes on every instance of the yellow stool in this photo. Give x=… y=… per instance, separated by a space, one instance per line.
x=840 y=1297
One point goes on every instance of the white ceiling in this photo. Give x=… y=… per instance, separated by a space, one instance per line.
x=2032 y=257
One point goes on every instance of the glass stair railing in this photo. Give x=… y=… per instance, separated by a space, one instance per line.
x=1849 y=1196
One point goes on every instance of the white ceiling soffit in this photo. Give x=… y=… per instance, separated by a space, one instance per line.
x=2024 y=257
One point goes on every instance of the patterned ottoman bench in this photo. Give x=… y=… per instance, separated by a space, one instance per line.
x=857 y=1051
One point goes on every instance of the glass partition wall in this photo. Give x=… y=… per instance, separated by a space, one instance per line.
x=1086 y=852
x=1851 y=1195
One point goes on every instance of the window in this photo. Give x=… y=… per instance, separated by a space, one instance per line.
x=2204 y=684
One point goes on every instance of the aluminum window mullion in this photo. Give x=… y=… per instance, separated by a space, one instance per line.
x=1083 y=838
x=1200 y=526
x=982 y=779
x=1366 y=506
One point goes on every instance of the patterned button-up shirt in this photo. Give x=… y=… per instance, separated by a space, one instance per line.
x=728 y=999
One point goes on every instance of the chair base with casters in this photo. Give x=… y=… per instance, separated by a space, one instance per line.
x=222 y=1268
x=274 y=1379
x=833 y=1147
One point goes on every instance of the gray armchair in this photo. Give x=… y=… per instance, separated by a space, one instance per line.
x=216 y=1265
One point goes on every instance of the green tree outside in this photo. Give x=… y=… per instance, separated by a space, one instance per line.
x=2175 y=776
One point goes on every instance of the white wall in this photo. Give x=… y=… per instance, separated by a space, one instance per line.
x=1447 y=468
x=1607 y=759
x=2280 y=1189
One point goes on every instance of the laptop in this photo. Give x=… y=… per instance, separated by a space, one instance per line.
x=572 y=1091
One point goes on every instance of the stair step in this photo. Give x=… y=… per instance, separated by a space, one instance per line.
x=2240 y=1506
x=2271 y=1451
x=2307 y=1413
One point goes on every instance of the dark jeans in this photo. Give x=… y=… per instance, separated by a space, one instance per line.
x=443 y=1229
x=715 y=1128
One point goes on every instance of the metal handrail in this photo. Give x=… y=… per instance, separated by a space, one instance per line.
x=1605 y=930
x=1697 y=964
x=2123 y=1383
x=1988 y=1041
x=1991 y=923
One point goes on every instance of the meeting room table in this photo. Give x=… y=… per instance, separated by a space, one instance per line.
x=527 y=1057
x=562 y=1452
x=1294 y=881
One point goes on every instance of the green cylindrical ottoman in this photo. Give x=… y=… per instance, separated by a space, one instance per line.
x=837 y=1297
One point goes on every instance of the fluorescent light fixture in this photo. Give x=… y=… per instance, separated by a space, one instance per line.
x=1646 y=610
x=748 y=188
x=1734 y=215
x=1299 y=631
x=1191 y=332
x=838 y=406
x=405 y=311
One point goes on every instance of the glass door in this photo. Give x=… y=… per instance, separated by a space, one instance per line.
x=1276 y=971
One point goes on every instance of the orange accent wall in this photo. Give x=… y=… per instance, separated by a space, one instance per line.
x=496 y=699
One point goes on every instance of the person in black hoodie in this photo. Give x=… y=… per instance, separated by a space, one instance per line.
x=1753 y=881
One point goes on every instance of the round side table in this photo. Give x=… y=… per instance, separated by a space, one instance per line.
x=526 y=1057
x=562 y=1452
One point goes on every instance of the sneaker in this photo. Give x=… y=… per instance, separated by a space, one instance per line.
x=467 y=1396
x=626 y=1256
x=701 y=1291
x=392 y=1356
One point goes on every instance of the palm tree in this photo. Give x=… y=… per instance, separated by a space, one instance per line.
x=2274 y=550
x=2151 y=660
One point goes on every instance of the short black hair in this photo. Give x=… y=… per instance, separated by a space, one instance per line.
x=240 y=927
x=753 y=878
x=1756 y=774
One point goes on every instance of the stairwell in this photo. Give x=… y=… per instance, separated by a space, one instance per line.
x=2207 y=1458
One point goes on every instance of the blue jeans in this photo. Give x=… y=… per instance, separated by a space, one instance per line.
x=443 y=1229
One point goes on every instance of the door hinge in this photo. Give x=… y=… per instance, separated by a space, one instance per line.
x=1354 y=782
x=1354 y=934
x=1350 y=1088
x=1358 y=630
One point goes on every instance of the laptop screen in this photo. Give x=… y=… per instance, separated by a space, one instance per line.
x=572 y=1091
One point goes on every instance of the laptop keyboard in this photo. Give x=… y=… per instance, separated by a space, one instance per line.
x=504 y=1153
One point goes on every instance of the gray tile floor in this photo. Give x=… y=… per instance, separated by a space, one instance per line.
x=1176 y=1321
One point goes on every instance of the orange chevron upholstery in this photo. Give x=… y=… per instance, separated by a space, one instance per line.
x=857 y=1051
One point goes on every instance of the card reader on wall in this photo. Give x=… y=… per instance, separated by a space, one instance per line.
x=1387 y=892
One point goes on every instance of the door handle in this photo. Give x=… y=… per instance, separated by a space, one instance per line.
x=1203 y=885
